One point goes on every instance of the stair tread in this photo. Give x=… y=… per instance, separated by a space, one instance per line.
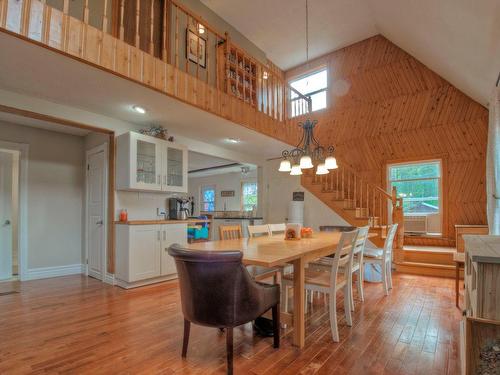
x=430 y=265
x=430 y=249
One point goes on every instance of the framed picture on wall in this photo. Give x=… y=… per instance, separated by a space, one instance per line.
x=196 y=49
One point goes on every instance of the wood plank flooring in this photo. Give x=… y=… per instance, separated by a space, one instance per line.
x=77 y=325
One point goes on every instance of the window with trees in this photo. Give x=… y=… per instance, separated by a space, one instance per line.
x=419 y=184
x=249 y=195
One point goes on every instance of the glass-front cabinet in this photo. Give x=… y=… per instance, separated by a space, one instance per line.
x=146 y=163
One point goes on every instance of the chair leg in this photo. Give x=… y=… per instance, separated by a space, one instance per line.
x=383 y=265
x=333 y=317
x=347 y=303
x=229 y=350
x=187 y=328
x=276 y=325
x=361 y=280
x=352 y=294
x=389 y=274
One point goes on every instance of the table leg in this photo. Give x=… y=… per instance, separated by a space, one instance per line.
x=457 y=282
x=299 y=335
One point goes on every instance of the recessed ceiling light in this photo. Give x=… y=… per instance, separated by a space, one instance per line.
x=139 y=109
x=233 y=140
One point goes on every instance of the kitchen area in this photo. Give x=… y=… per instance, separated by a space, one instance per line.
x=168 y=194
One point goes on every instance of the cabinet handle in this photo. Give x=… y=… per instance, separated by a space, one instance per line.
x=164 y=235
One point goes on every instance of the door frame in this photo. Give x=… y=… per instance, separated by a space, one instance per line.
x=105 y=149
x=22 y=225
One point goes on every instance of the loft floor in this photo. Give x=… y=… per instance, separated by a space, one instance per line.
x=78 y=325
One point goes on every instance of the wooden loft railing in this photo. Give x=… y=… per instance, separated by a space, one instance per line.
x=298 y=104
x=152 y=56
x=362 y=200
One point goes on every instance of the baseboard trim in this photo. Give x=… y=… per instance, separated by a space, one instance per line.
x=46 y=272
x=109 y=279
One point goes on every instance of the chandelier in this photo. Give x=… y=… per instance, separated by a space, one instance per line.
x=307 y=153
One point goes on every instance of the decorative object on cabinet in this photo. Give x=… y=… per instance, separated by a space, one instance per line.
x=156 y=131
x=145 y=163
x=227 y=193
x=196 y=49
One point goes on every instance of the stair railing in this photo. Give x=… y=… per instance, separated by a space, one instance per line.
x=298 y=104
x=367 y=200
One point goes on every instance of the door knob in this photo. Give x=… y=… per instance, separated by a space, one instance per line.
x=100 y=222
x=6 y=223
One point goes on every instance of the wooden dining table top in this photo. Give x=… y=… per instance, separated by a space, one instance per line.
x=271 y=251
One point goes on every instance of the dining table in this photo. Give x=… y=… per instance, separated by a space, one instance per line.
x=274 y=251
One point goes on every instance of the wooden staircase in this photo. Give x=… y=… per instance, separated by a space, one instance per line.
x=361 y=203
x=358 y=202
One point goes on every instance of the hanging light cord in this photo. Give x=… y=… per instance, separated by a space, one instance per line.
x=307 y=33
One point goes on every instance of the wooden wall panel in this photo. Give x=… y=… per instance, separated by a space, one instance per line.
x=398 y=109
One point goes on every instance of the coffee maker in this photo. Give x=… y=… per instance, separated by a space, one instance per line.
x=178 y=209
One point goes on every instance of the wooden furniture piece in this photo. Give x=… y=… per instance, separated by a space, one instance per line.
x=480 y=327
x=332 y=281
x=459 y=260
x=275 y=251
x=461 y=229
x=383 y=257
x=230 y=232
x=141 y=251
x=216 y=291
x=145 y=163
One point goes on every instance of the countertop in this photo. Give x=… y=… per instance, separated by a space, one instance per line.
x=152 y=222
x=483 y=248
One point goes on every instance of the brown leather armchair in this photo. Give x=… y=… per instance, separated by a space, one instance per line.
x=217 y=291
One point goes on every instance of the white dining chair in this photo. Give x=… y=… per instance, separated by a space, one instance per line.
x=332 y=281
x=383 y=257
x=357 y=263
x=258 y=230
x=277 y=229
x=257 y=272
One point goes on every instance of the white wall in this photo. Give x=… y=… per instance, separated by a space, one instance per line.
x=55 y=195
x=226 y=181
x=278 y=190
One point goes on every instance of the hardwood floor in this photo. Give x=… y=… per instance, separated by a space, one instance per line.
x=78 y=325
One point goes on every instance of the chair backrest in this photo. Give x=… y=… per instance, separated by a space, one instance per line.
x=389 y=240
x=208 y=282
x=361 y=239
x=277 y=228
x=258 y=230
x=344 y=253
x=230 y=232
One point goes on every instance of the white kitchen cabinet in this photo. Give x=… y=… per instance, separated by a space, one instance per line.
x=145 y=163
x=142 y=253
x=171 y=233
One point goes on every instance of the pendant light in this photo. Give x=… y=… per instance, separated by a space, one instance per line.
x=306 y=162
x=285 y=166
x=296 y=171
x=331 y=162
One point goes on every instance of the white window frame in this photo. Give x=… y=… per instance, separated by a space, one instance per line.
x=203 y=188
x=242 y=194
x=302 y=76
x=440 y=180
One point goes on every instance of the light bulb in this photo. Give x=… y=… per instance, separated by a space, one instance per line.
x=295 y=170
x=265 y=75
x=285 y=166
x=331 y=163
x=201 y=29
x=306 y=162
x=321 y=169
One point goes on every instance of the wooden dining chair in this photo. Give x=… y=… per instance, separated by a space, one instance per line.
x=383 y=257
x=332 y=281
x=230 y=232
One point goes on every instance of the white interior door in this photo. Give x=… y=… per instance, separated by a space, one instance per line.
x=6 y=163
x=96 y=202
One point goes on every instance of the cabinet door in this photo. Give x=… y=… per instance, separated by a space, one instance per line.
x=145 y=163
x=145 y=252
x=171 y=233
x=175 y=168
